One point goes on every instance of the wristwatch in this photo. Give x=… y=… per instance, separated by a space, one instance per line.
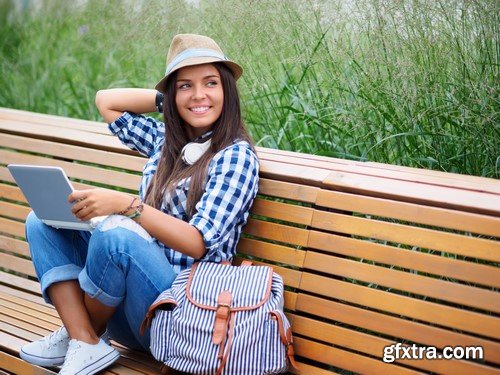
x=159 y=102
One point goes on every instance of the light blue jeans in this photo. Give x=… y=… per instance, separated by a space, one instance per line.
x=118 y=263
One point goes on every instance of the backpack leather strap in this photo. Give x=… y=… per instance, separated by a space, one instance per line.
x=222 y=315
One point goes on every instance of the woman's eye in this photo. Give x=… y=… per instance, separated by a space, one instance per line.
x=183 y=86
x=211 y=83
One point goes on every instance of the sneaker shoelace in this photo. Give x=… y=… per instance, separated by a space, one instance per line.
x=55 y=337
x=72 y=349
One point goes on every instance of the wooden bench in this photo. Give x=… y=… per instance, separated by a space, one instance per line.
x=372 y=254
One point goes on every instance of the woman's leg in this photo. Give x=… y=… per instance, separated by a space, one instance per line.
x=58 y=256
x=125 y=268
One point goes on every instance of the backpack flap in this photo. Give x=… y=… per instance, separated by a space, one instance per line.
x=250 y=287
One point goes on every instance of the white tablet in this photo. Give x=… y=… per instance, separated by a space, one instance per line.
x=47 y=190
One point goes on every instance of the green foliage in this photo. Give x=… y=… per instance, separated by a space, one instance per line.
x=410 y=83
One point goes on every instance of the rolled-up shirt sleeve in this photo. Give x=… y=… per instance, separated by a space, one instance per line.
x=224 y=206
x=138 y=132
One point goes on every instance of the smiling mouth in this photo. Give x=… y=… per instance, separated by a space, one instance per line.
x=199 y=110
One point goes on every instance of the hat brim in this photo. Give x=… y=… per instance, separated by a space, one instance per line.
x=235 y=69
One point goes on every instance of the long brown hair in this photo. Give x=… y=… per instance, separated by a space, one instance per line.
x=171 y=169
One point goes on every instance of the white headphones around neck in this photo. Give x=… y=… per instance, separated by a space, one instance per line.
x=191 y=152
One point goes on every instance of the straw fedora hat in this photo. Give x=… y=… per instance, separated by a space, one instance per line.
x=192 y=49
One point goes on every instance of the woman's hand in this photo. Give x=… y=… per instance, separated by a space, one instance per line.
x=97 y=202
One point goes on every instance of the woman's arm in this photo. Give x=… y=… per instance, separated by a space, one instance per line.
x=170 y=231
x=112 y=103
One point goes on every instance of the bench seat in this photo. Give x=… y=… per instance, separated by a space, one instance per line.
x=371 y=254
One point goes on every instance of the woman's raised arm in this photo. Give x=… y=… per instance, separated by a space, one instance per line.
x=111 y=103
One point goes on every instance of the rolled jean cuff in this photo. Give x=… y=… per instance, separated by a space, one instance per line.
x=94 y=291
x=58 y=274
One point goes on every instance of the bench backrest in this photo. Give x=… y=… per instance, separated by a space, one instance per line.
x=372 y=255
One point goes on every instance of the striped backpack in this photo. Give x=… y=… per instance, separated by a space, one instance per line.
x=222 y=319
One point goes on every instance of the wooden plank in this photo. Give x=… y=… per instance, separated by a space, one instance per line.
x=6 y=289
x=276 y=232
x=295 y=174
x=398 y=280
x=42 y=308
x=437 y=196
x=133 y=163
x=411 y=259
x=53 y=120
x=16 y=264
x=374 y=346
x=19 y=282
x=346 y=360
x=15 y=246
x=12 y=193
x=25 y=326
x=440 y=217
x=282 y=211
x=29 y=312
x=17 y=365
x=408 y=235
x=78 y=171
x=377 y=168
x=392 y=326
x=19 y=332
x=23 y=317
x=287 y=190
x=68 y=136
x=310 y=370
x=12 y=227
x=424 y=311
x=479 y=184
x=271 y=252
x=14 y=211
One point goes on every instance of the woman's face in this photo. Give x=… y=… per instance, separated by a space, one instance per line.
x=199 y=97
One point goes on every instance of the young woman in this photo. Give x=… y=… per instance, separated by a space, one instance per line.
x=197 y=188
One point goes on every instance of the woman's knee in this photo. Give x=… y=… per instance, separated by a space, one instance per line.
x=118 y=234
x=33 y=225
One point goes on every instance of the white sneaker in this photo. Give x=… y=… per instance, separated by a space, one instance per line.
x=50 y=350
x=87 y=359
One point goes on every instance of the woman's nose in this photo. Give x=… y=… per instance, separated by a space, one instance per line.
x=198 y=92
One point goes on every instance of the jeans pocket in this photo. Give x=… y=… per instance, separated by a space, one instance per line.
x=161 y=334
x=273 y=352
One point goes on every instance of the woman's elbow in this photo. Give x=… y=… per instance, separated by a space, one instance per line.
x=100 y=101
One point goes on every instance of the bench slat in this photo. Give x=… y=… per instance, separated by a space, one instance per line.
x=411 y=212
x=282 y=211
x=19 y=282
x=111 y=159
x=271 y=252
x=14 y=211
x=16 y=365
x=17 y=264
x=446 y=316
x=406 y=258
x=345 y=359
x=408 y=235
x=16 y=246
x=381 y=169
x=276 y=232
x=393 y=326
x=78 y=171
x=361 y=169
x=483 y=203
x=69 y=136
x=404 y=281
x=288 y=190
x=374 y=346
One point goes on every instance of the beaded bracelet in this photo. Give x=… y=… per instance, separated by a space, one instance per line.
x=137 y=212
x=123 y=212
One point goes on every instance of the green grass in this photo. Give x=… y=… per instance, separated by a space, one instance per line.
x=409 y=83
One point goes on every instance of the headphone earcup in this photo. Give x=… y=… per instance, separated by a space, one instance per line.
x=193 y=151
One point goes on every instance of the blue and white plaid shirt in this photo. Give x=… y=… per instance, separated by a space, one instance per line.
x=231 y=187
